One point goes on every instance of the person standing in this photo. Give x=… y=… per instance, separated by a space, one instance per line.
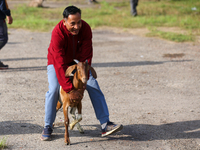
x=4 y=13
x=72 y=39
x=134 y=4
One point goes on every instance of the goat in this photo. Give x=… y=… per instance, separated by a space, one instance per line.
x=79 y=80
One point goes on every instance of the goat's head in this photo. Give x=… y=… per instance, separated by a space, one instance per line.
x=94 y=74
x=82 y=71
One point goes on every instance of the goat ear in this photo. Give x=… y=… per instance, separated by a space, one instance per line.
x=69 y=70
x=94 y=74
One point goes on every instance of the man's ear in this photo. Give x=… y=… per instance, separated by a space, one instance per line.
x=64 y=21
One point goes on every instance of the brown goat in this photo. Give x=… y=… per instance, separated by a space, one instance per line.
x=79 y=80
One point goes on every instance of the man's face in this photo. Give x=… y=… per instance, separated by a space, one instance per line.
x=73 y=23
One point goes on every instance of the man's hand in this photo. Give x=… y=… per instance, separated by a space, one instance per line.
x=9 y=19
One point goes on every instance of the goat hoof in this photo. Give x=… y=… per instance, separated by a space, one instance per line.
x=73 y=124
x=67 y=143
x=81 y=130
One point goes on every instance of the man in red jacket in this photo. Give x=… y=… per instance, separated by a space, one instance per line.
x=72 y=39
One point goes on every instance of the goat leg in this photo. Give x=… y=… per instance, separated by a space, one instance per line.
x=72 y=112
x=66 y=121
x=59 y=105
x=74 y=122
x=77 y=124
x=78 y=119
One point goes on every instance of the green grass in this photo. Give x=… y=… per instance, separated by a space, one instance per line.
x=2 y=143
x=171 y=36
x=35 y=19
x=183 y=14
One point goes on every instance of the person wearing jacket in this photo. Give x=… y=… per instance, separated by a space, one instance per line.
x=72 y=39
x=4 y=13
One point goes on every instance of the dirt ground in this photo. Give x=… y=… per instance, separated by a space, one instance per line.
x=155 y=97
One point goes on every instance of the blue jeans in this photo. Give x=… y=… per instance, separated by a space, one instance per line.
x=95 y=94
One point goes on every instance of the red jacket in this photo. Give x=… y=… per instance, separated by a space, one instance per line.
x=64 y=47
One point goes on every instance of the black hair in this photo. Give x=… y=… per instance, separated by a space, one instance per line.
x=70 y=10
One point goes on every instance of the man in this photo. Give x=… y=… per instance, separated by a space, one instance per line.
x=72 y=39
x=134 y=4
x=4 y=13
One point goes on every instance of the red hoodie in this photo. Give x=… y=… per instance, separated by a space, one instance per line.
x=64 y=47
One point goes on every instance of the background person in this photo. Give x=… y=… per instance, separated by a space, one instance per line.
x=134 y=4
x=4 y=13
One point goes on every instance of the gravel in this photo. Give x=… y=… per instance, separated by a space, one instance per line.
x=156 y=98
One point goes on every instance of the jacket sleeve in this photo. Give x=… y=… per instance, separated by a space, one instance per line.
x=4 y=7
x=59 y=54
x=86 y=46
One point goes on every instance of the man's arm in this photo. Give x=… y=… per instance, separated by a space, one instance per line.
x=4 y=8
x=59 y=54
x=86 y=47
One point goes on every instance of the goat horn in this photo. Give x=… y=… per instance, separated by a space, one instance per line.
x=76 y=61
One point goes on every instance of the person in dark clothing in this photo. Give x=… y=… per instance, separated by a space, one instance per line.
x=134 y=4
x=4 y=13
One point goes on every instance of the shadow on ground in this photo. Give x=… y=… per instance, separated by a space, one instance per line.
x=19 y=127
x=107 y=64
x=139 y=132
x=135 y=132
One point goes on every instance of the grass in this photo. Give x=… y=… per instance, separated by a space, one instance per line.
x=171 y=36
x=29 y=18
x=2 y=143
x=183 y=14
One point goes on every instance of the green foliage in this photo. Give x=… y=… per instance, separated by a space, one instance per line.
x=35 y=19
x=171 y=36
x=183 y=14
x=2 y=143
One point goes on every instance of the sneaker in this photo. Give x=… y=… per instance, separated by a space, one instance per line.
x=110 y=128
x=2 y=66
x=134 y=14
x=46 y=134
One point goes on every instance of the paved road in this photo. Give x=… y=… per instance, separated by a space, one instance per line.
x=156 y=98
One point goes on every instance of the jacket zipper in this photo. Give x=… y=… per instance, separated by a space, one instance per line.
x=73 y=48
